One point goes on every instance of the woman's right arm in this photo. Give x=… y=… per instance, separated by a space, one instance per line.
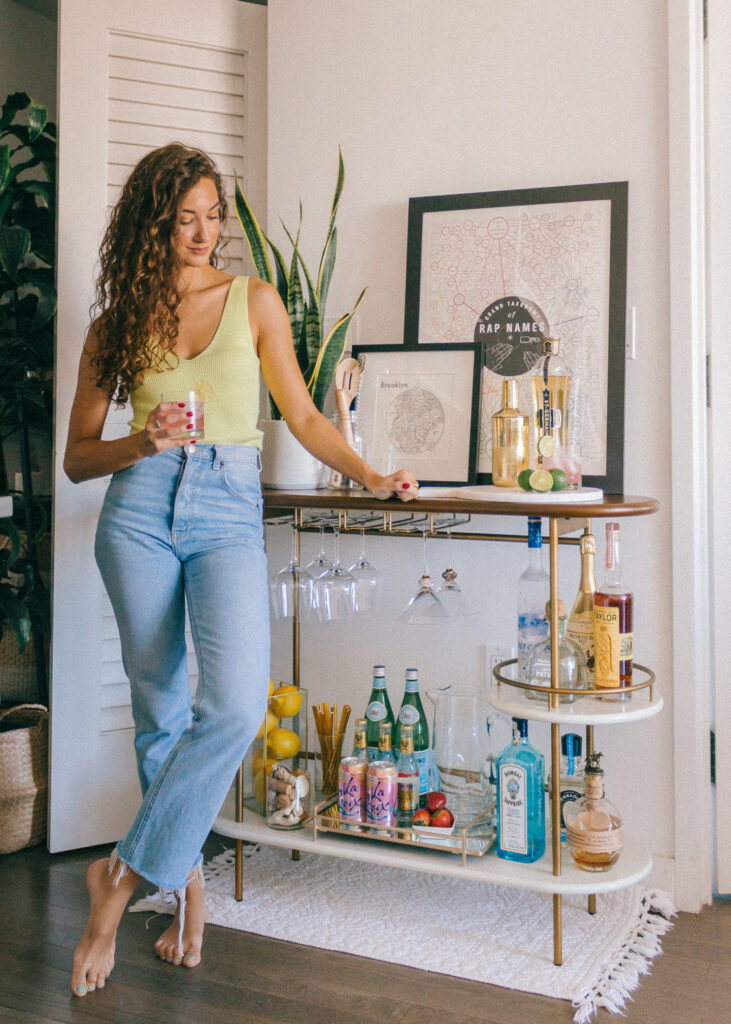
x=87 y=456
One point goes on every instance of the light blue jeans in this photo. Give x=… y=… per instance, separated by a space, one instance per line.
x=181 y=529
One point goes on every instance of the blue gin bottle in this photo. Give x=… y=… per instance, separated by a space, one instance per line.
x=521 y=801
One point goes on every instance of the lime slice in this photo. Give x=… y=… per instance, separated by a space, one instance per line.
x=524 y=479
x=541 y=480
x=560 y=480
x=204 y=389
x=546 y=446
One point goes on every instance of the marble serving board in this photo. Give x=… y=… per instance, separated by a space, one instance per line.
x=489 y=492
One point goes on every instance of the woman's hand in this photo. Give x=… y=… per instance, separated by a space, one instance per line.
x=403 y=485
x=163 y=429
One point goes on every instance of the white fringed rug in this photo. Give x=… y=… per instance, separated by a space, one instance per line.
x=465 y=928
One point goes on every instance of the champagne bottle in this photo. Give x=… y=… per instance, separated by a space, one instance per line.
x=580 y=626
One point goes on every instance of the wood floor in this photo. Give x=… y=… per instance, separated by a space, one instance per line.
x=246 y=978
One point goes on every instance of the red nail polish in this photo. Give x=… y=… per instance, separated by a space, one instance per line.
x=181 y=405
x=406 y=486
x=188 y=426
x=192 y=440
x=189 y=414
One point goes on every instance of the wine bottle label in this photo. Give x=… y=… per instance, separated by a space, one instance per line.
x=594 y=842
x=376 y=712
x=408 y=715
x=513 y=836
x=607 y=648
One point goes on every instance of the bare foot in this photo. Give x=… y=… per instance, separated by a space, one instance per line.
x=167 y=946
x=94 y=956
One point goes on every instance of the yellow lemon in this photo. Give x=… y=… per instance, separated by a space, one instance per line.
x=270 y=722
x=286 y=701
x=257 y=760
x=260 y=787
x=271 y=687
x=282 y=743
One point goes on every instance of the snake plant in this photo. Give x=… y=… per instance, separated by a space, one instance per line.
x=317 y=355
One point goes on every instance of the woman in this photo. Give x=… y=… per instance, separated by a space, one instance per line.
x=181 y=521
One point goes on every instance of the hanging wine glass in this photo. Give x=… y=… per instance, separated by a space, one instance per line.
x=449 y=591
x=367 y=578
x=291 y=587
x=320 y=563
x=334 y=592
x=424 y=607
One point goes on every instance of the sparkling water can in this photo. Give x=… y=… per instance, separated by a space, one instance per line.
x=352 y=789
x=382 y=793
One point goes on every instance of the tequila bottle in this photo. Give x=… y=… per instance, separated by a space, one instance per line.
x=580 y=627
x=360 y=744
x=521 y=799
x=378 y=710
x=613 y=636
x=533 y=589
x=571 y=663
x=509 y=438
x=593 y=823
x=407 y=779
x=552 y=380
x=385 y=743
x=412 y=714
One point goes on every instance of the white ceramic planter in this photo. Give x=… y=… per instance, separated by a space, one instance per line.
x=285 y=464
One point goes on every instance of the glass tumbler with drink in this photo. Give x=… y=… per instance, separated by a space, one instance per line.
x=191 y=404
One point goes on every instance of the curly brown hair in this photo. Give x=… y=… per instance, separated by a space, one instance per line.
x=137 y=300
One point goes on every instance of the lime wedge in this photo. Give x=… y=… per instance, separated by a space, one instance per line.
x=524 y=479
x=541 y=480
x=204 y=390
x=560 y=480
x=546 y=446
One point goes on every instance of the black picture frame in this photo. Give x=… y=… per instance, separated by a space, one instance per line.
x=376 y=418
x=608 y=437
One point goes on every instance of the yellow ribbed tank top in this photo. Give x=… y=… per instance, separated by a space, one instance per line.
x=228 y=365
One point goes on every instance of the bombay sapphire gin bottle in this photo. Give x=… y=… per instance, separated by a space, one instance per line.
x=521 y=828
x=533 y=591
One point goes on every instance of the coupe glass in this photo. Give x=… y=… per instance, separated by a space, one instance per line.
x=291 y=587
x=320 y=563
x=424 y=607
x=367 y=578
x=334 y=595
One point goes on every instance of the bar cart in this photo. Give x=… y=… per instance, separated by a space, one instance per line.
x=555 y=873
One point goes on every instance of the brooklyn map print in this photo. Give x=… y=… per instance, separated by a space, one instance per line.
x=554 y=255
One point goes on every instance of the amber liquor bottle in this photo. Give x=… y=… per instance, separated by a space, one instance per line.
x=580 y=627
x=593 y=824
x=613 y=636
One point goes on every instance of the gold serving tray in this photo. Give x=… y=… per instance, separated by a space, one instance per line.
x=474 y=840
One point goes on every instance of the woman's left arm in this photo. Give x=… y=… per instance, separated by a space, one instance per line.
x=273 y=338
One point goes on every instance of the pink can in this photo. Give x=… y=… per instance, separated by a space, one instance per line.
x=352 y=789
x=382 y=793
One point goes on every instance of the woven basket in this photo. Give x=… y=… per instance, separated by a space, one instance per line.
x=23 y=776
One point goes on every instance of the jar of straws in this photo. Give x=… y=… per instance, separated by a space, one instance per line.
x=330 y=733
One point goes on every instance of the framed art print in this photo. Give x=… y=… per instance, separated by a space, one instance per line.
x=418 y=409
x=510 y=268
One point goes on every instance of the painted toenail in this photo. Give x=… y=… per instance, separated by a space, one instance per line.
x=190 y=957
x=81 y=989
x=177 y=960
x=90 y=988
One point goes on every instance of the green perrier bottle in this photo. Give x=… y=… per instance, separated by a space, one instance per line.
x=412 y=713
x=378 y=710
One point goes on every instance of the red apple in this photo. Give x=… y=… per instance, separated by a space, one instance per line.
x=421 y=817
x=434 y=801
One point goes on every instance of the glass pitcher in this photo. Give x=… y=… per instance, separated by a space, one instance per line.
x=461 y=746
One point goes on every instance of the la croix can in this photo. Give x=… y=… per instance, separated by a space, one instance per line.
x=352 y=789
x=382 y=793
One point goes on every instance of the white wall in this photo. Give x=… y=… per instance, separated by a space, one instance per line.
x=431 y=98
x=27 y=54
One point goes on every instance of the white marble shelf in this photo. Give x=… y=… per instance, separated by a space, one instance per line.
x=633 y=865
x=584 y=711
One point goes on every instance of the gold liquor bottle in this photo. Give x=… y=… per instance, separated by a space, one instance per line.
x=593 y=823
x=509 y=438
x=580 y=626
x=552 y=379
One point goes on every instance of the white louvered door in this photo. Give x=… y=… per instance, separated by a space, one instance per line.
x=133 y=75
